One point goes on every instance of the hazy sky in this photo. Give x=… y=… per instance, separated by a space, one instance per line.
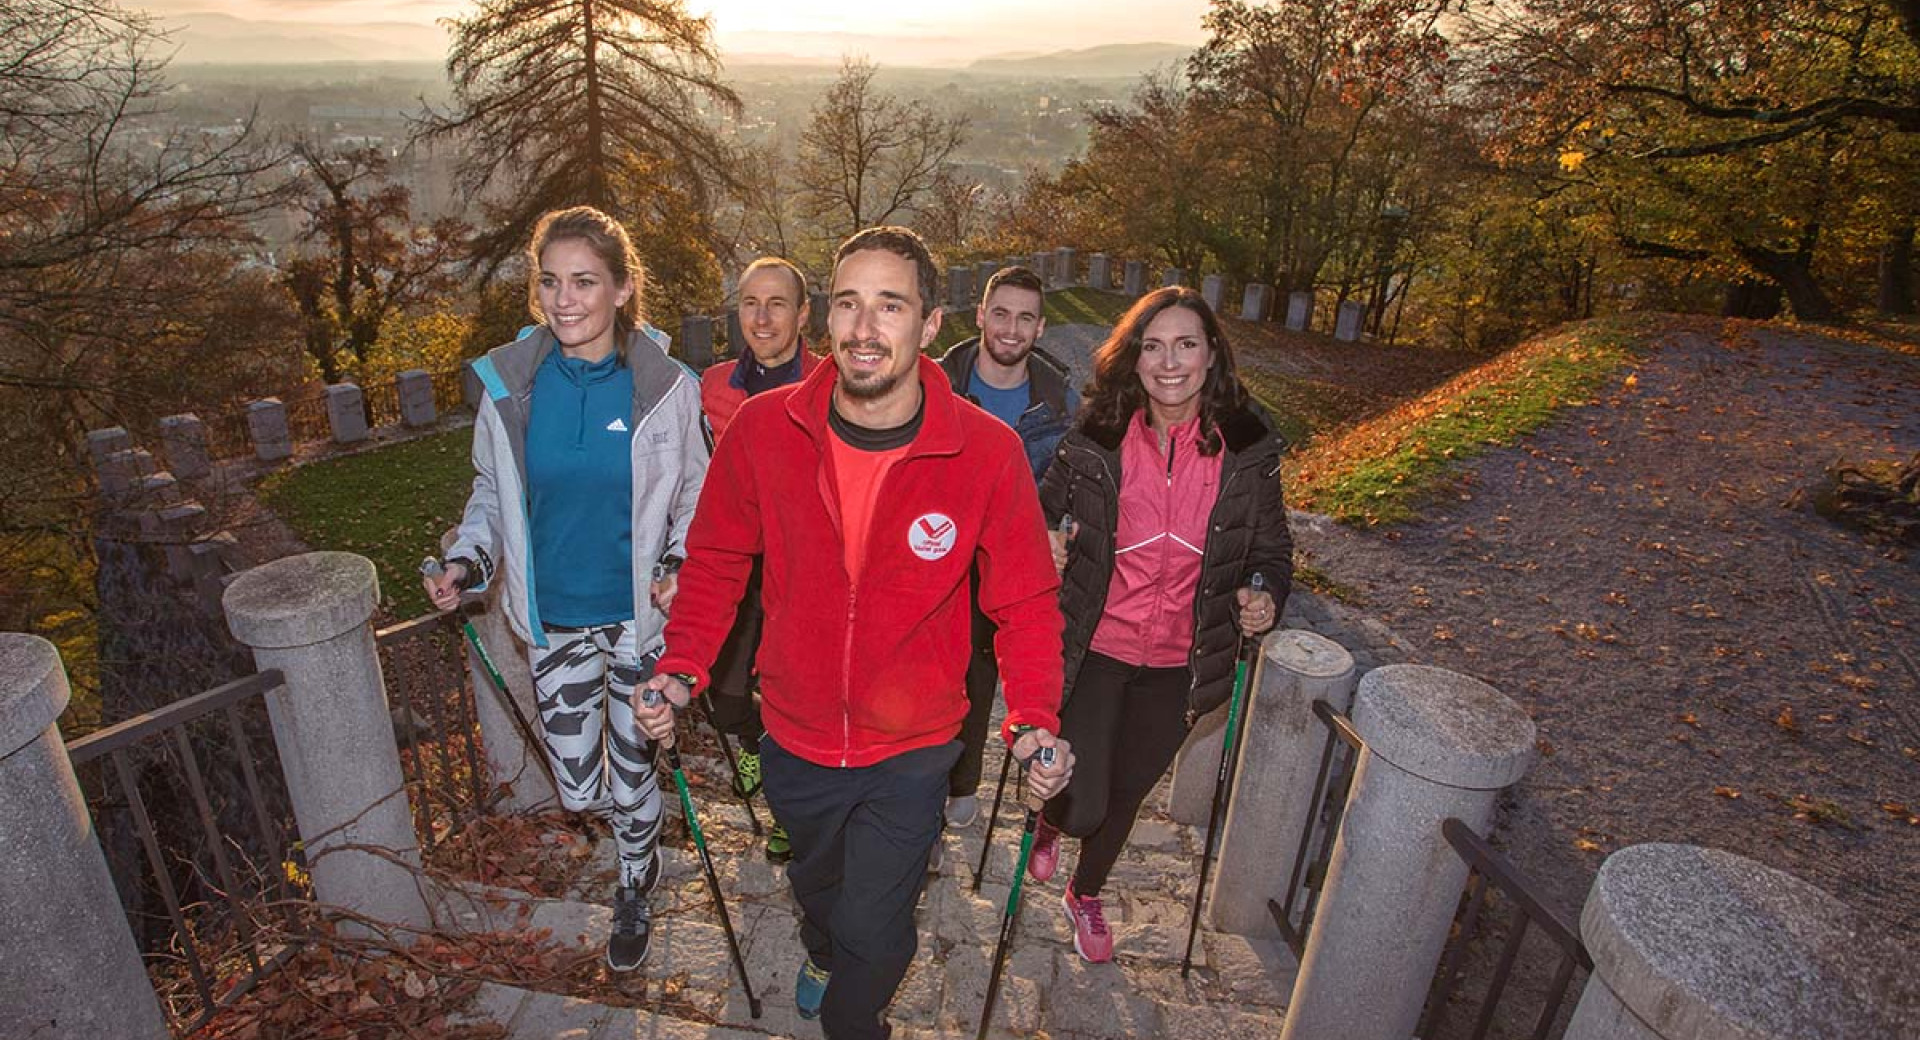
x=981 y=26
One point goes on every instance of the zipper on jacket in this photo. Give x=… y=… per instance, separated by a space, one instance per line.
x=846 y=684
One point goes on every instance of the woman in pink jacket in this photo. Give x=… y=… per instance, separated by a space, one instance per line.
x=1172 y=477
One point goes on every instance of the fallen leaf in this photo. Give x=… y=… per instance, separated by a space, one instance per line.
x=1728 y=793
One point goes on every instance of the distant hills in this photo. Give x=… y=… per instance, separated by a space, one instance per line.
x=206 y=38
x=1114 y=60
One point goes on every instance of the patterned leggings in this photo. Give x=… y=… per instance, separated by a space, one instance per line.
x=584 y=682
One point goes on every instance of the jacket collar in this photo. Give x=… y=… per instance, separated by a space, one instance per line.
x=804 y=358
x=1240 y=430
x=654 y=373
x=1046 y=377
x=940 y=431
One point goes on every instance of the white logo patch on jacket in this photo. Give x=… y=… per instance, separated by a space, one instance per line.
x=931 y=536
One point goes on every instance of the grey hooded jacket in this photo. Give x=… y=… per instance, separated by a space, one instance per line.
x=670 y=453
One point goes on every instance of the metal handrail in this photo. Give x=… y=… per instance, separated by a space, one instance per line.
x=128 y=732
x=1330 y=803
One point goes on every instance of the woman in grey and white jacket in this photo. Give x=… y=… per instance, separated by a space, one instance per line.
x=589 y=451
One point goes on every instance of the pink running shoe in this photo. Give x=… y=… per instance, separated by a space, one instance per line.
x=1091 y=939
x=1045 y=857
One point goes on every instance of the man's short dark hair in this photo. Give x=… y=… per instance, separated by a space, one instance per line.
x=901 y=242
x=1017 y=277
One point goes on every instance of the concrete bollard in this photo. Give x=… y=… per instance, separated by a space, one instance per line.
x=1173 y=276
x=102 y=444
x=122 y=472
x=1100 y=272
x=1257 y=302
x=982 y=273
x=70 y=967
x=1042 y=265
x=1299 y=310
x=415 y=389
x=1691 y=942
x=960 y=288
x=1438 y=745
x=179 y=527
x=696 y=340
x=1136 y=283
x=267 y=429
x=346 y=413
x=156 y=491
x=1347 y=324
x=1273 y=789
x=736 y=335
x=307 y=616
x=1213 y=289
x=1066 y=267
x=183 y=443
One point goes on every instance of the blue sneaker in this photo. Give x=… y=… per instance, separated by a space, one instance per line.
x=809 y=989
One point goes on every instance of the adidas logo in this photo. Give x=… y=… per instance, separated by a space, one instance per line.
x=618 y=426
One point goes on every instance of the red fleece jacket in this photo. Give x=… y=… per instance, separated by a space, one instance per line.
x=853 y=675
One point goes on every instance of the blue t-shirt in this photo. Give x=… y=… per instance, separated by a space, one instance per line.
x=580 y=490
x=1004 y=405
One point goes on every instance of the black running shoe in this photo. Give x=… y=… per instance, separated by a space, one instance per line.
x=632 y=930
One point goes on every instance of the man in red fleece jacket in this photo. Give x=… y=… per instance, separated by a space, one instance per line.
x=869 y=490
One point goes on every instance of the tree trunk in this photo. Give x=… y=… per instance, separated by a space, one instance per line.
x=1793 y=273
x=1751 y=298
x=1896 y=271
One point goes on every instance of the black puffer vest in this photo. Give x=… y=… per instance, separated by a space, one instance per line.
x=1246 y=532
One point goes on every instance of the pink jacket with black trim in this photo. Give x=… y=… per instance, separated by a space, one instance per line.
x=853 y=675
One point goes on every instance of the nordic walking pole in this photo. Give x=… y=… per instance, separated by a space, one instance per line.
x=433 y=568
x=726 y=749
x=1012 y=913
x=993 y=820
x=651 y=697
x=1066 y=527
x=726 y=752
x=1222 y=781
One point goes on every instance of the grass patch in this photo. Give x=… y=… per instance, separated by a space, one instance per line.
x=390 y=505
x=1064 y=307
x=1302 y=408
x=1380 y=471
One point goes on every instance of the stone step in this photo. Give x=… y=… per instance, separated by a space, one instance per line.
x=1238 y=988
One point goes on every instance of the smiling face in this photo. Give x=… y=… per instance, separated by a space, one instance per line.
x=877 y=327
x=1174 y=359
x=580 y=296
x=1010 y=324
x=772 y=312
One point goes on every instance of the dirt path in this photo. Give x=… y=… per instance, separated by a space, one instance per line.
x=1707 y=663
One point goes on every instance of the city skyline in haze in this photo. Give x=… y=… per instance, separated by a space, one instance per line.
x=883 y=31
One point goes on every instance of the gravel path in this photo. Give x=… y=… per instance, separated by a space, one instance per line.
x=1708 y=661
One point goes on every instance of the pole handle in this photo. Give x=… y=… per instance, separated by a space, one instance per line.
x=651 y=698
x=1045 y=756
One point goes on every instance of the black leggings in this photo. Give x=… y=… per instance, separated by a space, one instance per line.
x=731 y=697
x=1126 y=723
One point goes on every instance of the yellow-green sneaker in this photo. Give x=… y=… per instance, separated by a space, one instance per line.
x=746 y=773
x=779 y=847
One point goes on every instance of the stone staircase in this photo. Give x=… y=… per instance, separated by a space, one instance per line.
x=1237 y=988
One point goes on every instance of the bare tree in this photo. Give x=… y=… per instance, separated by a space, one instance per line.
x=366 y=262
x=868 y=157
x=596 y=102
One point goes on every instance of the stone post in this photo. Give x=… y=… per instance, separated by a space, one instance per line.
x=102 y=444
x=1299 y=310
x=1438 y=745
x=1257 y=302
x=1066 y=267
x=1346 y=325
x=179 y=527
x=960 y=287
x=346 y=413
x=736 y=335
x=982 y=273
x=1213 y=289
x=1273 y=788
x=183 y=443
x=267 y=429
x=122 y=472
x=1042 y=265
x=696 y=340
x=1136 y=279
x=1173 y=276
x=415 y=389
x=1691 y=942
x=307 y=616
x=1100 y=272
x=69 y=969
